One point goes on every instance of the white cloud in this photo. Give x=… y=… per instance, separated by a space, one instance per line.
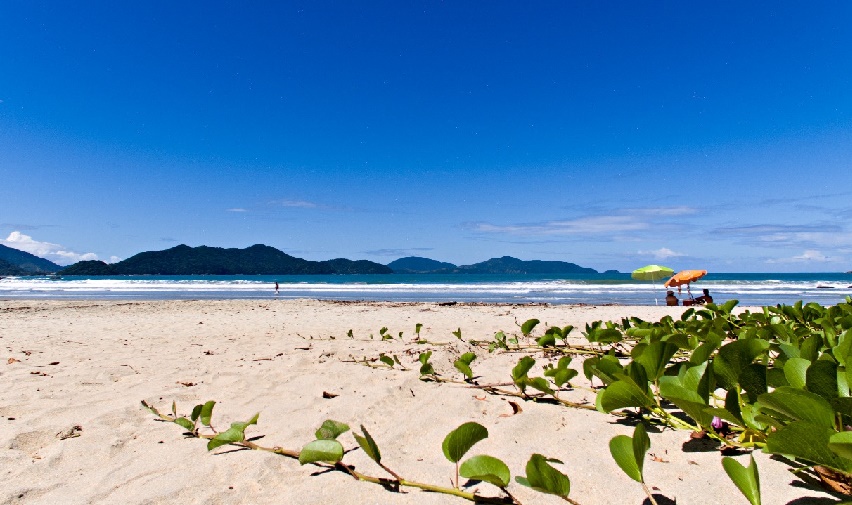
x=53 y=252
x=237 y=209
x=662 y=253
x=666 y=211
x=297 y=203
x=580 y=226
x=809 y=256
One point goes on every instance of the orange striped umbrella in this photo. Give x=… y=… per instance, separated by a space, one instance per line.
x=685 y=277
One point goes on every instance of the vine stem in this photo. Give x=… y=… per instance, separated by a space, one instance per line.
x=340 y=466
x=648 y=492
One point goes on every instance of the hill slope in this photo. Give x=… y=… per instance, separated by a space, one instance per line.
x=258 y=259
x=418 y=265
x=26 y=263
x=510 y=265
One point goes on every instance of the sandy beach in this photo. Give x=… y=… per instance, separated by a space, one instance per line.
x=72 y=429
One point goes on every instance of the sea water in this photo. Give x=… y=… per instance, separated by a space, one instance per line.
x=750 y=289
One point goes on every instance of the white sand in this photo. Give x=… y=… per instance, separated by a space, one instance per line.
x=277 y=358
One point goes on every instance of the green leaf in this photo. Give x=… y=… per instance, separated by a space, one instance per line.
x=463 y=364
x=236 y=433
x=547 y=340
x=621 y=448
x=605 y=336
x=329 y=451
x=185 y=423
x=425 y=367
x=622 y=394
x=463 y=368
x=487 y=469
x=542 y=477
x=368 y=445
x=387 y=360
x=629 y=453
x=457 y=333
x=538 y=383
x=799 y=405
x=331 y=429
x=821 y=379
x=604 y=368
x=561 y=375
x=417 y=328
x=796 y=369
x=528 y=326
x=522 y=368
x=654 y=357
x=806 y=441
x=207 y=412
x=467 y=358
x=196 y=411
x=841 y=444
x=460 y=440
x=733 y=358
x=746 y=479
x=843 y=348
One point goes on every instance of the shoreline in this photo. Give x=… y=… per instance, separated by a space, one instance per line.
x=90 y=363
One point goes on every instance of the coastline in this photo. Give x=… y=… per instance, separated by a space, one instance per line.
x=89 y=363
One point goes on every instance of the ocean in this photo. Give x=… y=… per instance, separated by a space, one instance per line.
x=751 y=289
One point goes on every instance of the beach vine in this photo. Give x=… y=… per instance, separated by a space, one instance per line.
x=778 y=379
x=328 y=452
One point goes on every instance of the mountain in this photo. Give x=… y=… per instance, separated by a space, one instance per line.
x=26 y=263
x=345 y=266
x=258 y=259
x=418 y=265
x=89 y=268
x=7 y=268
x=510 y=265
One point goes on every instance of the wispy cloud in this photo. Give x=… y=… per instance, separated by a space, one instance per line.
x=618 y=221
x=236 y=209
x=301 y=204
x=53 y=252
x=664 y=211
x=582 y=226
x=661 y=253
x=809 y=256
x=794 y=236
x=399 y=252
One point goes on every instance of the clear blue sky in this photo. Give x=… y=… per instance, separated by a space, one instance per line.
x=610 y=134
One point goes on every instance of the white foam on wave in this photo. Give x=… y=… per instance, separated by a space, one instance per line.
x=556 y=291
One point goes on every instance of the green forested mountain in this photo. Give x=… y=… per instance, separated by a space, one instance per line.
x=24 y=263
x=203 y=260
x=418 y=265
x=7 y=268
x=510 y=265
x=265 y=260
x=88 y=268
x=345 y=266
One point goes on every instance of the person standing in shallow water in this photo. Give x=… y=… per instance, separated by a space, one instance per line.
x=276 y=288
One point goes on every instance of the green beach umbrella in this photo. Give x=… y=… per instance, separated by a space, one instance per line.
x=652 y=273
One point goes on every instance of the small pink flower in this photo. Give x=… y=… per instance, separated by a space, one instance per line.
x=717 y=423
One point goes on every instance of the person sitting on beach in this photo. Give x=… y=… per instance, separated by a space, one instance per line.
x=671 y=299
x=705 y=298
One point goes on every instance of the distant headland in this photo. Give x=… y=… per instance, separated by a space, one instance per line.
x=261 y=259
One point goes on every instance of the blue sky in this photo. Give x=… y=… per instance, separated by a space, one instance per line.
x=609 y=134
